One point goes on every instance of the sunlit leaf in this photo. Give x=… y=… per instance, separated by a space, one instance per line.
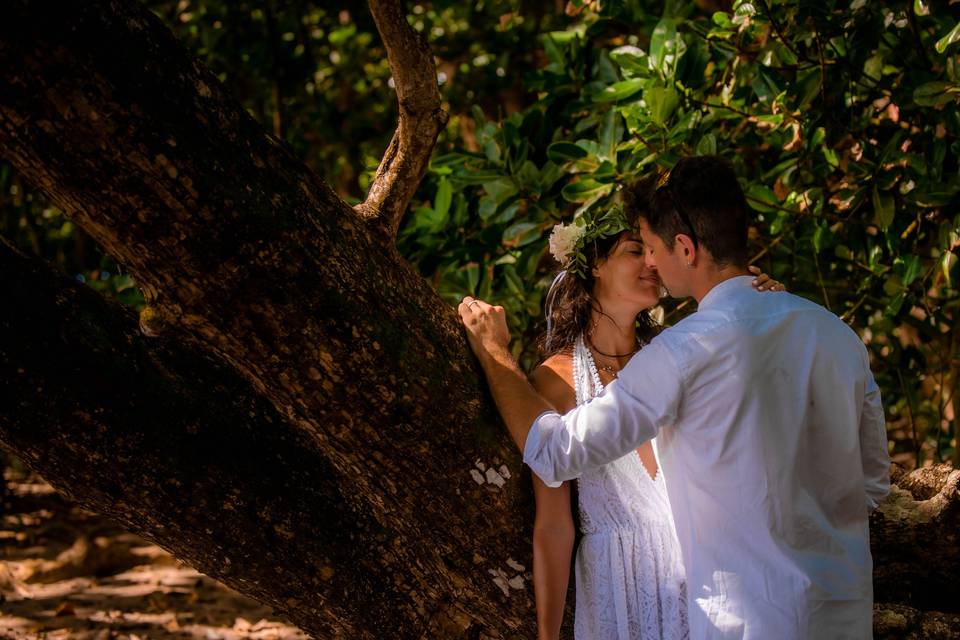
x=619 y=90
x=586 y=190
x=947 y=262
x=949 y=40
x=631 y=58
x=662 y=45
x=662 y=102
x=443 y=198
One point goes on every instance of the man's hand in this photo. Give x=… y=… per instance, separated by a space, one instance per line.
x=486 y=327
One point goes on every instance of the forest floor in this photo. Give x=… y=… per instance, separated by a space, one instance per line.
x=68 y=573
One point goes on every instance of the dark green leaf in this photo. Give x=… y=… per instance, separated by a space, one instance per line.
x=884 y=208
x=521 y=233
x=707 y=146
x=561 y=152
x=935 y=93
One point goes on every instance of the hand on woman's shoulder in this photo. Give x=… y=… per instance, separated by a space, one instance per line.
x=553 y=379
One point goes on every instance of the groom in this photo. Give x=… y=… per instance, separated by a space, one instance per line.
x=769 y=426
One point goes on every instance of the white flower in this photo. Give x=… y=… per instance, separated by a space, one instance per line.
x=563 y=239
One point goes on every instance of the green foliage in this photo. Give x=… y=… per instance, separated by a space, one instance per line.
x=841 y=119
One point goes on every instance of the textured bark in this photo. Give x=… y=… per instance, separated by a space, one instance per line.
x=421 y=118
x=915 y=538
x=900 y=622
x=243 y=252
x=171 y=443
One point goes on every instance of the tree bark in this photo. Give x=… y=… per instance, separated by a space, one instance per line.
x=171 y=443
x=244 y=253
x=915 y=539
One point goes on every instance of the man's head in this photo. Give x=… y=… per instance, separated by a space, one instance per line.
x=693 y=217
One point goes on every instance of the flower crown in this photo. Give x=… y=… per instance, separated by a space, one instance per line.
x=568 y=242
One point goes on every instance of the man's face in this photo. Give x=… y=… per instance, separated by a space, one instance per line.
x=668 y=264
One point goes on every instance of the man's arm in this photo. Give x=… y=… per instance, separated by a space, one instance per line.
x=560 y=448
x=874 y=454
x=630 y=411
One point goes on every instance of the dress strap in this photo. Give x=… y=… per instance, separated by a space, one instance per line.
x=586 y=378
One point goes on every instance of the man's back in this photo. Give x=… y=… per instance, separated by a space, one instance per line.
x=776 y=441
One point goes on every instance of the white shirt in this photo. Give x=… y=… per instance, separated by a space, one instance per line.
x=773 y=444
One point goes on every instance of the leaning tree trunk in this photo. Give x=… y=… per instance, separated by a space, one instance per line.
x=246 y=254
x=306 y=424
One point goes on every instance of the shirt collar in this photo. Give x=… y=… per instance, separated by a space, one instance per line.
x=725 y=289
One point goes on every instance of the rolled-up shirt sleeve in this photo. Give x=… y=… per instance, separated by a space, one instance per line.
x=874 y=454
x=629 y=412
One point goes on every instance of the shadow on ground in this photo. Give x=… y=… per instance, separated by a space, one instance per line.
x=68 y=573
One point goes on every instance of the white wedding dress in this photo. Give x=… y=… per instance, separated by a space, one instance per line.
x=629 y=572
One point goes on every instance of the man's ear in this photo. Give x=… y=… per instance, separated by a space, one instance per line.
x=687 y=248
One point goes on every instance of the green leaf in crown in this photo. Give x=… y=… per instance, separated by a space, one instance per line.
x=569 y=242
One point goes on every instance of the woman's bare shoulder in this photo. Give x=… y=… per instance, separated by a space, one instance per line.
x=552 y=379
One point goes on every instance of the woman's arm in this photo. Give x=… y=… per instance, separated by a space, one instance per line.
x=553 y=530
x=553 y=537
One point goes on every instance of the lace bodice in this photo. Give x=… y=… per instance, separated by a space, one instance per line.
x=630 y=579
x=621 y=492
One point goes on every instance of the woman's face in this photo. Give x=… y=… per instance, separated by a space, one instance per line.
x=623 y=279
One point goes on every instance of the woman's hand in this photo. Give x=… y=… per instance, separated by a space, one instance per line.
x=486 y=326
x=763 y=282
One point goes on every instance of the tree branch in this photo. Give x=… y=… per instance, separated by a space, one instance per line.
x=421 y=118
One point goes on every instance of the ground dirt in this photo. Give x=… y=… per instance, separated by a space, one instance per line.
x=68 y=573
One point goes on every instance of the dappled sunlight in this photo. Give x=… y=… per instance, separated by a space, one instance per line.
x=67 y=573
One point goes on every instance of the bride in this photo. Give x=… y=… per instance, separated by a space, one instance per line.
x=629 y=572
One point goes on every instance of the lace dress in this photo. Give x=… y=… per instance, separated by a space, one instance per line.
x=629 y=572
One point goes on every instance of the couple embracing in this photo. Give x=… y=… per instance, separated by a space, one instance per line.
x=748 y=518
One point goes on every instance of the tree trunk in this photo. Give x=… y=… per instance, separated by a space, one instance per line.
x=307 y=426
x=245 y=254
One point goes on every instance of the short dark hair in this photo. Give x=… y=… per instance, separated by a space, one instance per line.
x=701 y=198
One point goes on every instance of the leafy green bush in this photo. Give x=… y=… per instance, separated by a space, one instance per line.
x=842 y=123
x=840 y=118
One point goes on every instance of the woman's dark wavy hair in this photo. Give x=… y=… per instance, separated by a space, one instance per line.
x=571 y=301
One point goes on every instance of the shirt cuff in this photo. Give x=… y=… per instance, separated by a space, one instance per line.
x=531 y=449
